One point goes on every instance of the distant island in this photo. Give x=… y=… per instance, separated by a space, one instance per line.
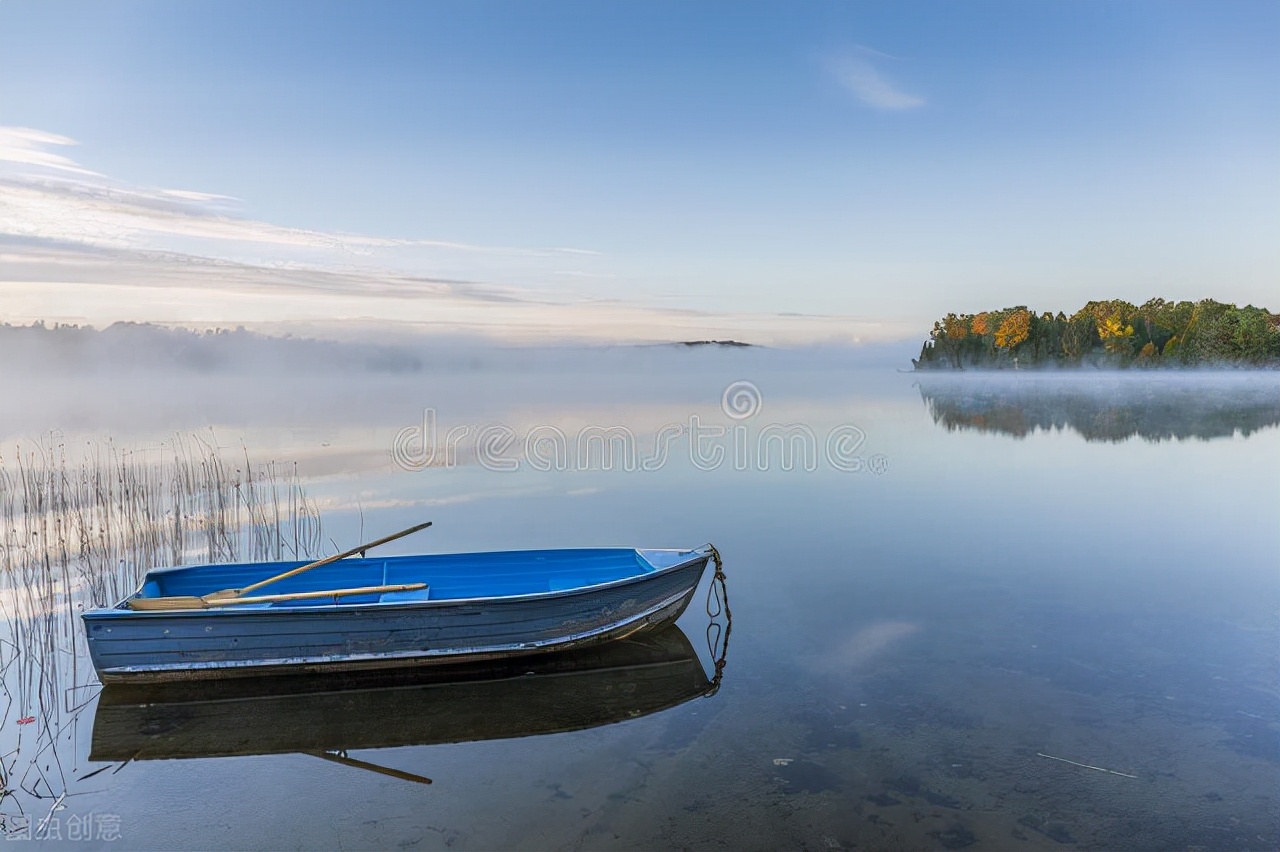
x=71 y=348
x=731 y=343
x=1110 y=334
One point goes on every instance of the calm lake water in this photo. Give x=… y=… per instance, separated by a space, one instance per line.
x=1019 y=612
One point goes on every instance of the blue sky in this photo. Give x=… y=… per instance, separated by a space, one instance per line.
x=880 y=163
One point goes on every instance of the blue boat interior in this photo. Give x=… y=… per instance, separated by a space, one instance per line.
x=456 y=576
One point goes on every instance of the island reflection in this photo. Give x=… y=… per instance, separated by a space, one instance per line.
x=1108 y=409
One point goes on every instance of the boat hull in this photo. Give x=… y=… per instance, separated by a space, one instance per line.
x=224 y=642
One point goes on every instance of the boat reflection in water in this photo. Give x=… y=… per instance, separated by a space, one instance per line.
x=326 y=716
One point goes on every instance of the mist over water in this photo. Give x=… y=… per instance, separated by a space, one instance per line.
x=1046 y=617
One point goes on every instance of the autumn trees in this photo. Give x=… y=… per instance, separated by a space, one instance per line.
x=1112 y=333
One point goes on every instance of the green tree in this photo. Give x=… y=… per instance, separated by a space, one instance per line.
x=1079 y=337
x=1254 y=338
x=1158 y=333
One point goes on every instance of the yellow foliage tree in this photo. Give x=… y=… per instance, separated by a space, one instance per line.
x=1115 y=334
x=1113 y=327
x=1015 y=329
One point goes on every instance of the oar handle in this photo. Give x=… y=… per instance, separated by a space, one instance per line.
x=352 y=552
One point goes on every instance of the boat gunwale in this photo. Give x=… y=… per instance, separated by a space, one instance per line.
x=121 y=609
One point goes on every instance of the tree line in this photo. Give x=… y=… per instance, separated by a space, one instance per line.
x=1112 y=333
x=70 y=347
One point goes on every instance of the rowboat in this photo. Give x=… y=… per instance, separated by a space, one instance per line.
x=354 y=611
x=327 y=716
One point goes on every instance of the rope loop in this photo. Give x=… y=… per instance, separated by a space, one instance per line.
x=717 y=604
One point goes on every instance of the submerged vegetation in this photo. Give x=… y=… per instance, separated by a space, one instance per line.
x=1113 y=333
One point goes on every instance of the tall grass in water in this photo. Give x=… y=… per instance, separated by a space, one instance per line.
x=79 y=526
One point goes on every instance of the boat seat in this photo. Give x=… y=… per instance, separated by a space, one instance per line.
x=576 y=580
x=346 y=599
x=384 y=597
x=454 y=589
x=401 y=597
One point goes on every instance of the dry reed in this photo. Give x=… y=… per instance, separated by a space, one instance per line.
x=79 y=532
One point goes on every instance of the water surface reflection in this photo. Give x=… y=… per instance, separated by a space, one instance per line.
x=915 y=640
x=1107 y=408
x=552 y=693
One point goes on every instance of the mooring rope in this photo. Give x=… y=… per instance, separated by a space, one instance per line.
x=717 y=603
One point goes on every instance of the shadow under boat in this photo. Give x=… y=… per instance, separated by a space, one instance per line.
x=326 y=716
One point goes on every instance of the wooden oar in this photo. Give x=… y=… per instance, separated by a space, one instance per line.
x=209 y=601
x=202 y=602
x=302 y=596
x=352 y=552
x=341 y=757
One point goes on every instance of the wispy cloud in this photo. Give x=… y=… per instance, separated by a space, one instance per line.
x=577 y=251
x=78 y=246
x=31 y=147
x=857 y=74
x=48 y=195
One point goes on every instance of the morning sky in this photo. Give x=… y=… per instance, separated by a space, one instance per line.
x=776 y=172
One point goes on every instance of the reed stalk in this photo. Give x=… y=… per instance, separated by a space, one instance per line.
x=79 y=526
